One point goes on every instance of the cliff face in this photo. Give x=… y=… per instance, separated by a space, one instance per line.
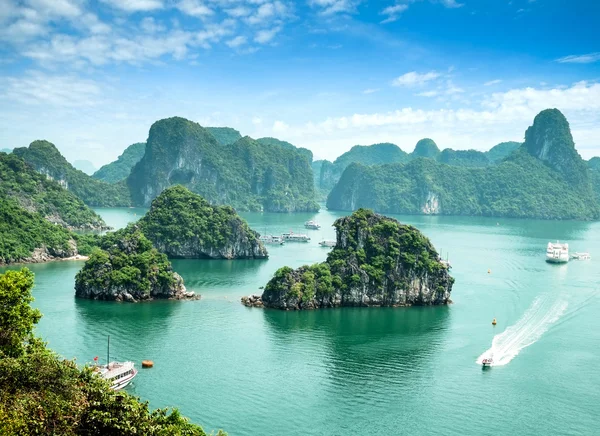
x=549 y=139
x=127 y=268
x=45 y=158
x=377 y=261
x=184 y=225
x=246 y=174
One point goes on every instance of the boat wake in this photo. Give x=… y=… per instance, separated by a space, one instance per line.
x=542 y=313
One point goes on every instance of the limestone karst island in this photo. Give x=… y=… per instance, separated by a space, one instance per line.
x=320 y=217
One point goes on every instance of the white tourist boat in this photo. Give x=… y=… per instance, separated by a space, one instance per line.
x=295 y=237
x=118 y=374
x=557 y=252
x=326 y=243
x=271 y=240
x=313 y=225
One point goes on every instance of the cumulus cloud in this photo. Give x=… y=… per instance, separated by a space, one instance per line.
x=265 y=36
x=415 y=79
x=238 y=41
x=194 y=8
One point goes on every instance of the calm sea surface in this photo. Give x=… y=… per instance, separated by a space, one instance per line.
x=361 y=371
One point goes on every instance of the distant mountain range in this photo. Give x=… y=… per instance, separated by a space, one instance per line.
x=511 y=179
x=543 y=178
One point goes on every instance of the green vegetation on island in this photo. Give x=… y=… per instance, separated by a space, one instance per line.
x=224 y=135
x=545 y=178
x=125 y=267
x=246 y=175
x=42 y=393
x=377 y=261
x=38 y=194
x=119 y=170
x=183 y=224
x=45 y=158
x=327 y=174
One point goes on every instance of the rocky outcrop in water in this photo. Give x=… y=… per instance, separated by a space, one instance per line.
x=184 y=225
x=127 y=268
x=377 y=261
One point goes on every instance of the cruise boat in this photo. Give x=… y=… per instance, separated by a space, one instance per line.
x=271 y=239
x=118 y=374
x=557 y=253
x=295 y=237
x=313 y=225
x=325 y=243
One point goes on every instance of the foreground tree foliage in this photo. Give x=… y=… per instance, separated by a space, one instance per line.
x=43 y=394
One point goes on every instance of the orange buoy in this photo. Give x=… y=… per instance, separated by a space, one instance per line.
x=494 y=321
x=147 y=364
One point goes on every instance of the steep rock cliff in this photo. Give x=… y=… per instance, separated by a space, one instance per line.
x=182 y=224
x=247 y=175
x=377 y=261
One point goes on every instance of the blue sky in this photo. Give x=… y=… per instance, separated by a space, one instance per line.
x=93 y=75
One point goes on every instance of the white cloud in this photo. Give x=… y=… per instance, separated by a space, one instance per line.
x=238 y=11
x=59 y=8
x=43 y=89
x=267 y=12
x=265 y=36
x=371 y=90
x=257 y=121
x=451 y=4
x=134 y=5
x=415 y=79
x=431 y=93
x=236 y=42
x=150 y=25
x=194 y=8
x=393 y=12
x=332 y=7
x=580 y=59
x=492 y=82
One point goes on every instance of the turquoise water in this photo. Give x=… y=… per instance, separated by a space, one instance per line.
x=361 y=371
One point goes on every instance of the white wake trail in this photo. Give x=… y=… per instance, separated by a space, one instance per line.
x=532 y=325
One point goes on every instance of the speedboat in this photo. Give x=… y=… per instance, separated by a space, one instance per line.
x=487 y=362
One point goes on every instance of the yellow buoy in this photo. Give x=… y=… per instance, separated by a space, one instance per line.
x=147 y=364
x=494 y=321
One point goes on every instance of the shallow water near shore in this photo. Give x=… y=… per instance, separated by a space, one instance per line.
x=363 y=371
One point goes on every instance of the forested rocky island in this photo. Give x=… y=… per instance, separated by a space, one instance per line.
x=182 y=224
x=38 y=216
x=119 y=170
x=247 y=174
x=125 y=267
x=545 y=178
x=377 y=261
